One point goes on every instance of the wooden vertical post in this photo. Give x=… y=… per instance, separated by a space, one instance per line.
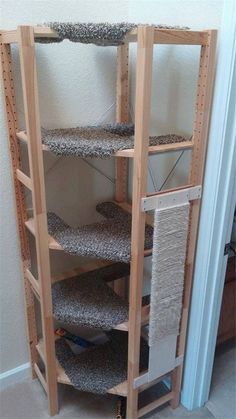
x=122 y=115
x=200 y=135
x=12 y=125
x=30 y=96
x=142 y=116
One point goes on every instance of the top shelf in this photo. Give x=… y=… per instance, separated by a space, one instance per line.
x=161 y=36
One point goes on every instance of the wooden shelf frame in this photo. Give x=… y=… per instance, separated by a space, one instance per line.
x=161 y=36
x=146 y=37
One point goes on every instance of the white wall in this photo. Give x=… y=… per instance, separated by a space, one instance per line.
x=77 y=86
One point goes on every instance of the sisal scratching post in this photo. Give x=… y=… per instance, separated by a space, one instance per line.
x=168 y=264
x=167 y=282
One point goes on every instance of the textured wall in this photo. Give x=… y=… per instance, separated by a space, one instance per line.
x=77 y=85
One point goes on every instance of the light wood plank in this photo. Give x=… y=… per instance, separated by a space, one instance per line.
x=41 y=378
x=44 y=32
x=52 y=243
x=9 y=36
x=122 y=115
x=142 y=115
x=201 y=123
x=23 y=178
x=180 y=37
x=34 y=283
x=173 y=36
x=21 y=135
x=21 y=215
x=156 y=149
x=122 y=84
x=31 y=107
x=154 y=405
x=164 y=191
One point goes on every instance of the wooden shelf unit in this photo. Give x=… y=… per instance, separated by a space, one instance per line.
x=145 y=36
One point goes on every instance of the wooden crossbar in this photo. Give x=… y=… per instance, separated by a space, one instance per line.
x=41 y=378
x=23 y=178
x=34 y=283
x=154 y=405
x=9 y=36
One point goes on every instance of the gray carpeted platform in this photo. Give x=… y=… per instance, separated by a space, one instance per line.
x=101 y=367
x=97 y=141
x=102 y=34
x=88 y=301
x=109 y=239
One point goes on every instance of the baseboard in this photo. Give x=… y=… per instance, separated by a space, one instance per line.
x=10 y=377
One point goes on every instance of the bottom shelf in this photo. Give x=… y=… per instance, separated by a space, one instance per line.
x=119 y=390
x=97 y=366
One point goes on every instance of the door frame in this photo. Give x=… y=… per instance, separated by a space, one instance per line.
x=218 y=203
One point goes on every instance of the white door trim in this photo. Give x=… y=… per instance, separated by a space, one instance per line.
x=219 y=195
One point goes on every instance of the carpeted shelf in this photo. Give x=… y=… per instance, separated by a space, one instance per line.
x=100 y=141
x=101 y=367
x=101 y=34
x=88 y=301
x=109 y=239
